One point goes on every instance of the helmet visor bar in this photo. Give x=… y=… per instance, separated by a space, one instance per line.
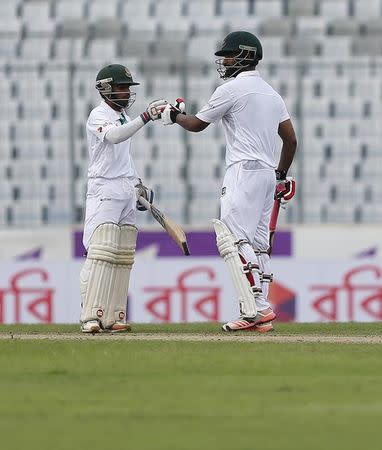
x=124 y=102
x=243 y=60
x=105 y=87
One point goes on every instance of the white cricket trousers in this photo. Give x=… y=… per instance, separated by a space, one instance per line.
x=246 y=207
x=109 y=200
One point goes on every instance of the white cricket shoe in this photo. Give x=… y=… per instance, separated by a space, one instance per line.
x=237 y=325
x=262 y=317
x=91 y=326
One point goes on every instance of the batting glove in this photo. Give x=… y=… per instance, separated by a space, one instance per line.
x=143 y=191
x=171 y=112
x=285 y=188
x=154 y=110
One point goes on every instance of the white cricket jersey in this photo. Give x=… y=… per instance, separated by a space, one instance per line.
x=251 y=111
x=107 y=160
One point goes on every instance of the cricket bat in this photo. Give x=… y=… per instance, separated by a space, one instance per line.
x=172 y=228
x=273 y=223
x=288 y=195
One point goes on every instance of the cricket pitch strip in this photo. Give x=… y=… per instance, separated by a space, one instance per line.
x=231 y=337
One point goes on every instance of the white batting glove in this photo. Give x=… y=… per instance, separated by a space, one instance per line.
x=154 y=110
x=170 y=112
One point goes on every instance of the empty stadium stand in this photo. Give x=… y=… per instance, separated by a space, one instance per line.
x=323 y=56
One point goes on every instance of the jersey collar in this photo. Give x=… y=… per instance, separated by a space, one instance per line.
x=110 y=110
x=248 y=73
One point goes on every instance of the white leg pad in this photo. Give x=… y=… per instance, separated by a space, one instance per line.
x=104 y=278
x=229 y=251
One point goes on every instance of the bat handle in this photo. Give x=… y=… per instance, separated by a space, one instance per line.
x=144 y=202
x=274 y=216
x=273 y=224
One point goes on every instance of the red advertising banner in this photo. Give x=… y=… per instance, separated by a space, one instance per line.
x=195 y=299
x=358 y=294
x=36 y=292
x=28 y=296
x=181 y=292
x=175 y=290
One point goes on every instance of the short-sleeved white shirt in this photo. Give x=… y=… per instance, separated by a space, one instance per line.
x=251 y=111
x=107 y=160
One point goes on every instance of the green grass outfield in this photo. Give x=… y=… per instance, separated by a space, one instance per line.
x=171 y=395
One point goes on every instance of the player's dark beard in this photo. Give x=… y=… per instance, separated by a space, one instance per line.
x=229 y=71
x=122 y=103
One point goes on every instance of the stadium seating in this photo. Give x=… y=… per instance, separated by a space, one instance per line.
x=268 y=8
x=324 y=57
x=373 y=9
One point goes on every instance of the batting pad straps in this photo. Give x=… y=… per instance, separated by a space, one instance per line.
x=228 y=250
x=267 y=277
x=111 y=245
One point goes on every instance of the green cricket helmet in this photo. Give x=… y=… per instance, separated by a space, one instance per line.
x=244 y=48
x=116 y=75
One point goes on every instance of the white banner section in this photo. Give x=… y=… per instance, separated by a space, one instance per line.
x=47 y=243
x=196 y=290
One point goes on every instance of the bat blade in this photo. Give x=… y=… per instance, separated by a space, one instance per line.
x=172 y=228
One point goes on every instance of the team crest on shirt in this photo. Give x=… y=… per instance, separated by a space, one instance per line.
x=99 y=129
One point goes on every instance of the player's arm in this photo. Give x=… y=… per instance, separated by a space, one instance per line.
x=176 y=114
x=191 y=123
x=117 y=134
x=288 y=136
x=285 y=186
x=218 y=105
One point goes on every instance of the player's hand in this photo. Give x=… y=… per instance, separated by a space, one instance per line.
x=143 y=191
x=154 y=110
x=170 y=112
x=285 y=190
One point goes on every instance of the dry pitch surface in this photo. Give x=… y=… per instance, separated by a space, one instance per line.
x=337 y=333
x=231 y=337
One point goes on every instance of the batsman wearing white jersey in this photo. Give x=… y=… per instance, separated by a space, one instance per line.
x=110 y=233
x=253 y=114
